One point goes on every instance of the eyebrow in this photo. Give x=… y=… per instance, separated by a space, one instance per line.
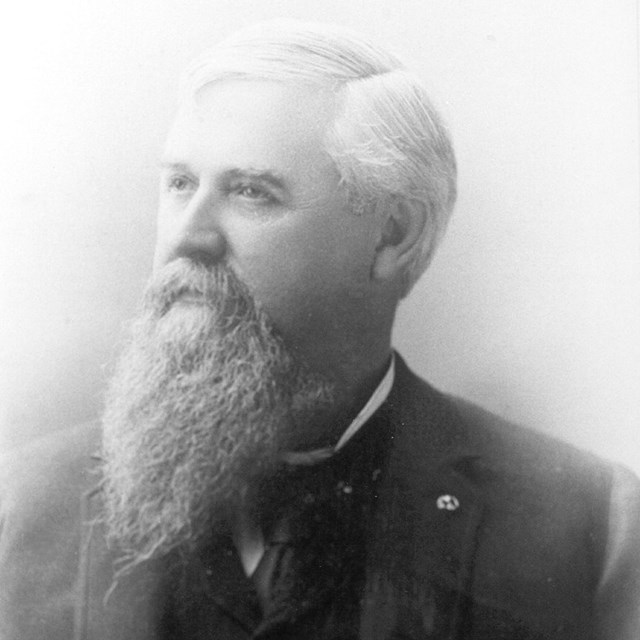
x=273 y=178
x=269 y=176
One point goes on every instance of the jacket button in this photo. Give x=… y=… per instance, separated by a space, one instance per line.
x=447 y=502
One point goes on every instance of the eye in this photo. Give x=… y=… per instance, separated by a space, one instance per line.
x=254 y=193
x=178 y=184
x=251 y=192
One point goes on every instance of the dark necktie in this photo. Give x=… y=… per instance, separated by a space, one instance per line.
x=315 y=523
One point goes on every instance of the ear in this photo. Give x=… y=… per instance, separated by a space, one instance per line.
x=400 y=238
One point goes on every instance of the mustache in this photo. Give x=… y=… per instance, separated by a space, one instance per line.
x=216 y=287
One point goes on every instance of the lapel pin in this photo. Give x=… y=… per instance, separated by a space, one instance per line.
x=448 y=502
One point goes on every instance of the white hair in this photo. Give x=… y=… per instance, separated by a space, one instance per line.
x=387 y=140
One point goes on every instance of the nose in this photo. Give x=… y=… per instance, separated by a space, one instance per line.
x=194 y=233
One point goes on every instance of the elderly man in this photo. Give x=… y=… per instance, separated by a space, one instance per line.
x=266 y=466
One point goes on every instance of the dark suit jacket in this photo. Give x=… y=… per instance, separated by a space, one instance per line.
x=482 y=530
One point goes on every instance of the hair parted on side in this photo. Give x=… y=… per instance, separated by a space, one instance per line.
x=387 y=140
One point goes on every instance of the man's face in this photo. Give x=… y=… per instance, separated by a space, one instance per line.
x=246 y=182
x=213 y=388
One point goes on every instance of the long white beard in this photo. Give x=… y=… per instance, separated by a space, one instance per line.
x=204 y=400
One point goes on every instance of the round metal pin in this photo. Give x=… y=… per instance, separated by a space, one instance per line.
x=448 y=502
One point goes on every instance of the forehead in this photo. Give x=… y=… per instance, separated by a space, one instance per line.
x=247 y=122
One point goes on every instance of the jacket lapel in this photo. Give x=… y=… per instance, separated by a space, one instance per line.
x=111 y=607
x=157 y=598
x=423 y=543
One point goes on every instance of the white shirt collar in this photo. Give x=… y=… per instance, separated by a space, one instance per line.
x=373 y=404
x=248 y=537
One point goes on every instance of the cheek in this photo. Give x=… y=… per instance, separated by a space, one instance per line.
x=304 y=281
x=308 y=256
x=279 y=273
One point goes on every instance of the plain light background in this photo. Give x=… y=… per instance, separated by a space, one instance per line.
x=532 y=306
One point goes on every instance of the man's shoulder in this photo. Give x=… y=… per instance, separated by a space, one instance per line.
x=50 y=472
x=42 y=513
x=523 y=448
x=550 y=509
x=506 y=451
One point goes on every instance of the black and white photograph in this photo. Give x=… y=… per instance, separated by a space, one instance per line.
x=320 y=321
